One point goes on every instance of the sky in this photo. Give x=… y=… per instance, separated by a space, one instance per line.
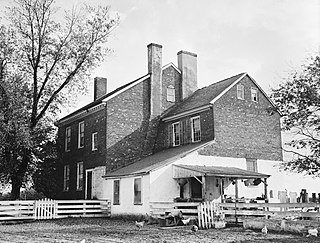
x=265 y=38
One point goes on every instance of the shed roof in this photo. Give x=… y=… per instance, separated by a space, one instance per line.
x=157 y=160
x=187 y=171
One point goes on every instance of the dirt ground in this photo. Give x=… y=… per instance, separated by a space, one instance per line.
x=115 y=230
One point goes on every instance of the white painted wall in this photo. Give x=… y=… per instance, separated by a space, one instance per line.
x=159 y=186
x=98 y=180
x=126 y=205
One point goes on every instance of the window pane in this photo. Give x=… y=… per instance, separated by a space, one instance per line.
x=137 y=191
x=80 y=176
x=196 y=130
x=66 y=175
x=176 y=134
x=170 y=93
x=94 y=141
x=67 y=139
x=240 y=91
x=116 y=192
x=81 y=135
x=254 y=95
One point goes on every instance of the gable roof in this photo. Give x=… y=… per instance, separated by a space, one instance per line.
x=203 y=96
x=157 y=160
x=206 y=96
x=104 y=98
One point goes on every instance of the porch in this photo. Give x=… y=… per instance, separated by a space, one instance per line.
x=209 y=183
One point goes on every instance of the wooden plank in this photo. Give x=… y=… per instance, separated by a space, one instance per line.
x=186 y=204
x=199 y=215
x=284 y=205
x=274 y=213
x=195 y=211
x=77 y=206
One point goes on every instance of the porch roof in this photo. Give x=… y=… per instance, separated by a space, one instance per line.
x=186 y=171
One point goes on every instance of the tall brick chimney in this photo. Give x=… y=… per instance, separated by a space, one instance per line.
x=187 y=63
x=100 y=87
x=155 y=69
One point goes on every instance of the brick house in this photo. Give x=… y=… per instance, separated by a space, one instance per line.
x=160 y=138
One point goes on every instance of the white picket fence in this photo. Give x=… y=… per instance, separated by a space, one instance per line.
x=209 y=215
x=52 y=209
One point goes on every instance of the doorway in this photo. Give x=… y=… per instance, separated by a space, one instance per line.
x=196 y=188
x=89 y=184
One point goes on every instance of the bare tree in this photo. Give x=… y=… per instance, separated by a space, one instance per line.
x=52 y=61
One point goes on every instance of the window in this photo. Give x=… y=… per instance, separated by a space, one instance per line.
x=171 y=94
x=79 y=176
x=254 y=95
x=116 y=192
x=176 y=133
x=68 y=139
x=66 y=177
x=252 y=165
x=137 y=191
x=240 y=91
x=94 y=141
x=195 y=129
x=81 y=135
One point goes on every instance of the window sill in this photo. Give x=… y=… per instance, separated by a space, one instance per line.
x=116 y=204
x=138 y=204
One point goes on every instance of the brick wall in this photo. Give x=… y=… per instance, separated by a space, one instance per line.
x=127 y=125
x=170 y=76
x=95 y=122
x=165 y=135
x=244 y=128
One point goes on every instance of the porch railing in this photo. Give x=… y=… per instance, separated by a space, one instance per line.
x=188 y=209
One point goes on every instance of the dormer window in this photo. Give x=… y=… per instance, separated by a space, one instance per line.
x=171 y=97
x=176 y=133
x=195 y=129
x=254 y=95
x=240 y=91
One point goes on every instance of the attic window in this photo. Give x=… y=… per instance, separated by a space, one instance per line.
x=240 y=91
x=254 y=95
x=171 y=94
x=252 y=165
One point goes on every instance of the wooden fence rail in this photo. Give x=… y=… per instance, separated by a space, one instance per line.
x=51 y=209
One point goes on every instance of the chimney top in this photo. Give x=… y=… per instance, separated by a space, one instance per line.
x=100 y=87
x=187 y=52
x=154 y=44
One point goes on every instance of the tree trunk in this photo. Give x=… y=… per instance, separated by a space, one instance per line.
x=18 y=176
x=16 y=184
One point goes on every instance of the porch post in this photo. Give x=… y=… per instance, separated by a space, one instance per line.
x=236 y=189
x=221 y=190
x=266 y=190
x=204 y=187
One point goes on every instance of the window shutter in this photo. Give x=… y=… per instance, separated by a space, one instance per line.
x=169 y=127
x=188 y=131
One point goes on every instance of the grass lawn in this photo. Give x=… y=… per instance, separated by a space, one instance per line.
x=115 y=230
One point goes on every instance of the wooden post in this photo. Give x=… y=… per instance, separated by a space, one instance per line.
x=236 y=190
x=204 y=187
x=221 y=190
x=265 y=190
x=236 y=199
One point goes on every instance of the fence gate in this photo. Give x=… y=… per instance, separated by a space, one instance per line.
x=45 y=209
x=210 y=215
